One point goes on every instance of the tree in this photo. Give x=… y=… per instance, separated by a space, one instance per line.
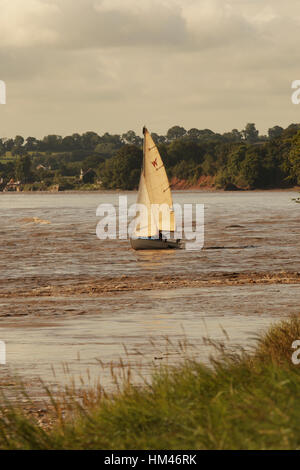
x=23 y=169
x=106 y=149
x=235 y=160
x=233 y=136
x=52 y=143
x=251 y=169
x=68 y=143
x=176 y=132
x=208 y=165
x=31 y=144
x=2 y=148
x=250 y=133
x=131 y=138
x=290 y=131
x=294 y=160
x=93 y=161
x=18 y=148
x=113 y=139
x=184 y=150
x=77 y=140
x=275 y=132
x=89 y=140
x=274 y=174
x=8 y=144
x=89 y=176
x=158 y=139
x=186 y=170
x=123 y=170
x=18 y=141
x=193 y=134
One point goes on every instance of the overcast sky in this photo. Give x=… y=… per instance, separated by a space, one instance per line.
x=113 y=65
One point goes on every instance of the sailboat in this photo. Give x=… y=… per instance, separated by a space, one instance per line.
x=155 y=196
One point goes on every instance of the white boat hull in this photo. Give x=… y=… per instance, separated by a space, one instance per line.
x=151 y=244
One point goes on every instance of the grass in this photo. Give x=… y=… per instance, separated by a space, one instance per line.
x=243 y=401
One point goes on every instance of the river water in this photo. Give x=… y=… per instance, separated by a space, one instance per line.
x=50 y=239
x=269 y=221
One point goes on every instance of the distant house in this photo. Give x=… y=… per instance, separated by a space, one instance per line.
x=13 y=185
x=42 y=167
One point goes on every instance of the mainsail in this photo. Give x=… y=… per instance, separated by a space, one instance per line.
x=154 y=194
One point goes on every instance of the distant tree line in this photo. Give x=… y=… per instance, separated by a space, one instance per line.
x=241 y=159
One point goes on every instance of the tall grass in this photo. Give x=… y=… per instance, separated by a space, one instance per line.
x=244 y=401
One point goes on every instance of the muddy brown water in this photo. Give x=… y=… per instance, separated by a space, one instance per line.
x=48 y=242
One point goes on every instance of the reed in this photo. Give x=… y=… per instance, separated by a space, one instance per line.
x=241 y=401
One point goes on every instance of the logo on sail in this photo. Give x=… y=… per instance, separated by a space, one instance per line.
x=154 y=163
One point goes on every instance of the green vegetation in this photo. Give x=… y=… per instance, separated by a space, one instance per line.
x=237 y=159
x=243 y=401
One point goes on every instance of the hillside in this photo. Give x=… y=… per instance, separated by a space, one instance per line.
x=196 y=158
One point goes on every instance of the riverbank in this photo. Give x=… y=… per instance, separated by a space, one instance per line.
x=240 y=401
x=178 y=186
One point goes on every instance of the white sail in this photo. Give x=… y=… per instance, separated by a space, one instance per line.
x=154 y=194
x=158 y=185
x=145 y=224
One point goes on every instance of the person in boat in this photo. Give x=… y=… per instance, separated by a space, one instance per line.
x=161 y=236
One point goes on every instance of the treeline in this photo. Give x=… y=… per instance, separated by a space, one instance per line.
x=242 y=159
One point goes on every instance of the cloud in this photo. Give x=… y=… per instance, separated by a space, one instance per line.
x=89 y=23
x=111 y=64
x=28 y=23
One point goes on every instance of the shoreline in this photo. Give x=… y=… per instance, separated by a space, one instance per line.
x=117 y=191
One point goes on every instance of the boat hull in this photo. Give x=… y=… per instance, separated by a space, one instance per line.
x=150 y=244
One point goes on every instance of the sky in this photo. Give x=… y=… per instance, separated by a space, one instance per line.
x=114 y=65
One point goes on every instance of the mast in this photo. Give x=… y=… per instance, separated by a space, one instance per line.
x=144 y=146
